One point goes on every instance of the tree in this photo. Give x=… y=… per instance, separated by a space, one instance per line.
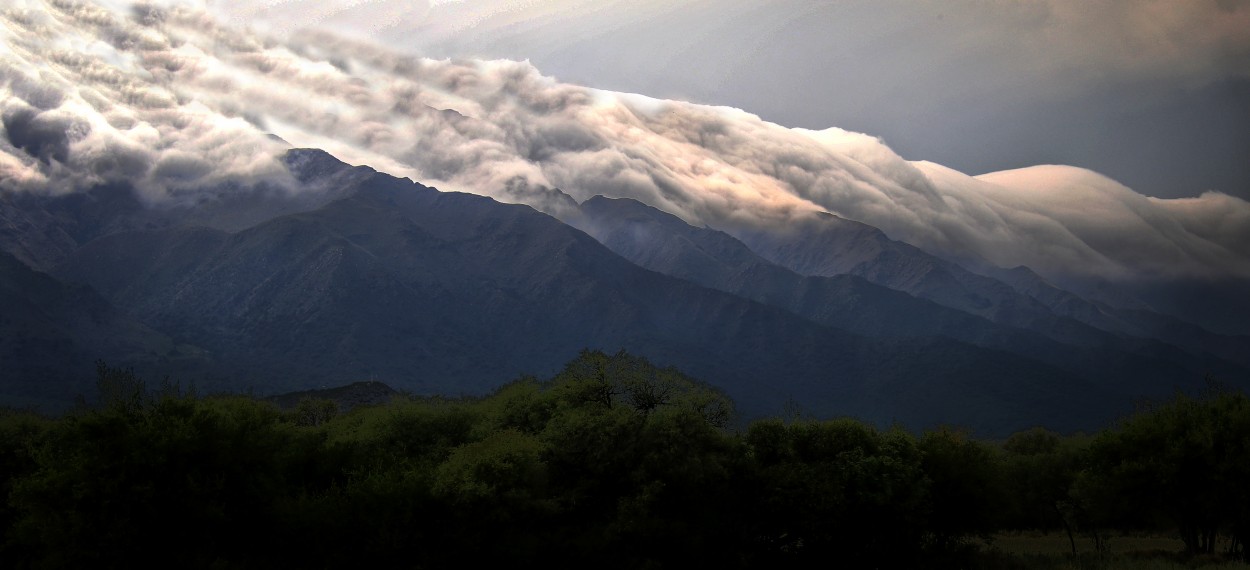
x=22 y=434
x=1039 y=471
x=312 y=412
x=1184 y=462
x=836 y=490
x=625 y=380
x=965 y=487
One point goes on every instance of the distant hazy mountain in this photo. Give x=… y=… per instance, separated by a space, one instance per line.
x=1132 y=321
x=826 y=245
x=662 y=242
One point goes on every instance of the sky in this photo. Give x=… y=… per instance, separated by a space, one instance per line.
x=1153 y=93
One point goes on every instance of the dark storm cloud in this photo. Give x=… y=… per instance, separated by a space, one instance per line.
x=42 y=135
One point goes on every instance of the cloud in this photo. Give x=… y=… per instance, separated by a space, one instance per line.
x=42 y=135
x=1081 y=222
x=1098 y=83
x=90 y=95
x=1089 y=39
x=176 y=101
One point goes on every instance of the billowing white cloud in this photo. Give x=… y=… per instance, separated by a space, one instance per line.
x=175 y=100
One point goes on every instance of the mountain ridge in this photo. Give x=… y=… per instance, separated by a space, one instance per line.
x=435 y=292
x=432 y=291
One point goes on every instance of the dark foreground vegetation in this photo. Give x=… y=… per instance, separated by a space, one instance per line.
x=613 y=463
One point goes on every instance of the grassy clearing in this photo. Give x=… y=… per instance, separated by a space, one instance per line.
x=1037 y=551
x=1057 y=543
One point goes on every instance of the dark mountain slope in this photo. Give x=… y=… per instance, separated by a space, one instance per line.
x=354 y=395
x=51 y=333
x=451 y=293
x=31 y=234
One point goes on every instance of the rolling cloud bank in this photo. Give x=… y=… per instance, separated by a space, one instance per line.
x=174 y=102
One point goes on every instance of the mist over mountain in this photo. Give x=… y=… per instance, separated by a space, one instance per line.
x=148 y=180
x=173 y=99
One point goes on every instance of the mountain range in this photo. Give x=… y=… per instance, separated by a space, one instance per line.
x=360 y=275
